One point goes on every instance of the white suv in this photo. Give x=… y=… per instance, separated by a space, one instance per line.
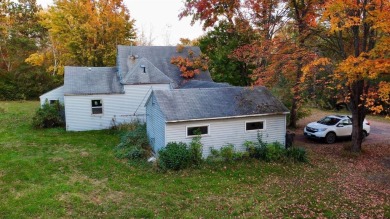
x=332 y=127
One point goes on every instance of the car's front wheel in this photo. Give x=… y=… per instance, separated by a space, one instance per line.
x=330 y=138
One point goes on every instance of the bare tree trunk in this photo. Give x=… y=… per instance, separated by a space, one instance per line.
x=296 y=95
x=358 y=115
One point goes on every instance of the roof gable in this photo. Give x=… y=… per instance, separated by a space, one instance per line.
x=160 y=57
x=203 y=103
x=141 y=71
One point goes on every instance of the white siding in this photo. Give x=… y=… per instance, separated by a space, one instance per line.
x=55 y=94
x=225 y=131
x=122 y=107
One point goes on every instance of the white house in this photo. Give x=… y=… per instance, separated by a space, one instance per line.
x=96 y=97
x=52 y=96
x=146 y=86
x=223 y=114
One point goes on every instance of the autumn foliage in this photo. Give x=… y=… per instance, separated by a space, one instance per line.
x=336 y=49
x=189 y=66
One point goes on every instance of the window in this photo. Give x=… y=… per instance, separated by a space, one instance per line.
x=53 y=102
x=196 y=130
x=259 y=125
x=346 y=122
x=97 y=107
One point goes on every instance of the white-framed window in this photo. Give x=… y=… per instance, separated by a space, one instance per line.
x=53 y=102
x=192 y=131
x=254 y=125
x=97 y=107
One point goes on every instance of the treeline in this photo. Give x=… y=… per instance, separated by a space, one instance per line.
x=36 y=44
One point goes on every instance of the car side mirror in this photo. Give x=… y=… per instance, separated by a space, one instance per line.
x=340 y=125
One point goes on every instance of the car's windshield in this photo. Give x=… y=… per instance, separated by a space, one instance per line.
x=329 y=121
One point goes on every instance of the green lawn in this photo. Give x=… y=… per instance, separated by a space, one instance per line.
x=52 y=173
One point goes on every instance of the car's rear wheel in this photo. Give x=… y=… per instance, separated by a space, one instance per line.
x=330 y=138
x=364 y=135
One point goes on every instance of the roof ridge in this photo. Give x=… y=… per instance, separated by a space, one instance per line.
x=214 y=88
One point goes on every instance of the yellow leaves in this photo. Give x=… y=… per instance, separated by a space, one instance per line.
x=363 y=67
x=314 y=66
x=36 y=59
x=88 y=36
x=384 y=91
x=344 y=14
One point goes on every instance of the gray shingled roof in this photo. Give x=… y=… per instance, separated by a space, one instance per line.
x=202 y=84
x=91 y=80
x=203 y=103
x=136 y=74
x=160 y=57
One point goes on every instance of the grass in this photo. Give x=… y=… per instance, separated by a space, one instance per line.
x=53 y=173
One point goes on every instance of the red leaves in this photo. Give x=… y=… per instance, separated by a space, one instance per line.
x=190 y=66
x=209 y=11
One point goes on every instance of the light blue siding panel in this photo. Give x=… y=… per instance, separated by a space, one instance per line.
x=155 y=125
x=150 y=122
x=159 y=128
x=225 y=131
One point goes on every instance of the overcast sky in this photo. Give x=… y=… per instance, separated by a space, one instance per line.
x=159 y=17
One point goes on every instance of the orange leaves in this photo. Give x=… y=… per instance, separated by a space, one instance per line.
x=363 y=67
x=344 y=14
x=190 y=66
x=384 y=91
x=315 y=66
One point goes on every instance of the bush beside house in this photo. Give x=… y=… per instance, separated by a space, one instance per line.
x=49 y=116
x=178 y=155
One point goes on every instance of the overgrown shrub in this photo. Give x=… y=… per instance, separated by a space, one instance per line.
x=256 y=150
x=195 y=148
x=134 y=143
x=297 y=154
x=227 y=152
x=175 y=156
x=49 y=116
x=275 y=152
x=125 y=126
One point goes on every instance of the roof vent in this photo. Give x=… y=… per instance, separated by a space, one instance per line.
x=144 y=68
x=133 y=57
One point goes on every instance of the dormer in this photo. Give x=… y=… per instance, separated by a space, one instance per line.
x=141 y=71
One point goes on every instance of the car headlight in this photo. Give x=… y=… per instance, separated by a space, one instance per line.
x=322 y=129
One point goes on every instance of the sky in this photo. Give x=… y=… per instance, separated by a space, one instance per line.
x=160 y=18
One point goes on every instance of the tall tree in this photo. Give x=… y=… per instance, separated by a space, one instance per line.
x=303 y=14
x=19 y=32
x=362 y=28
x=20 y=36
x=280 y=51
x=267 y=55
x=218 y=45
x=85 y=32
